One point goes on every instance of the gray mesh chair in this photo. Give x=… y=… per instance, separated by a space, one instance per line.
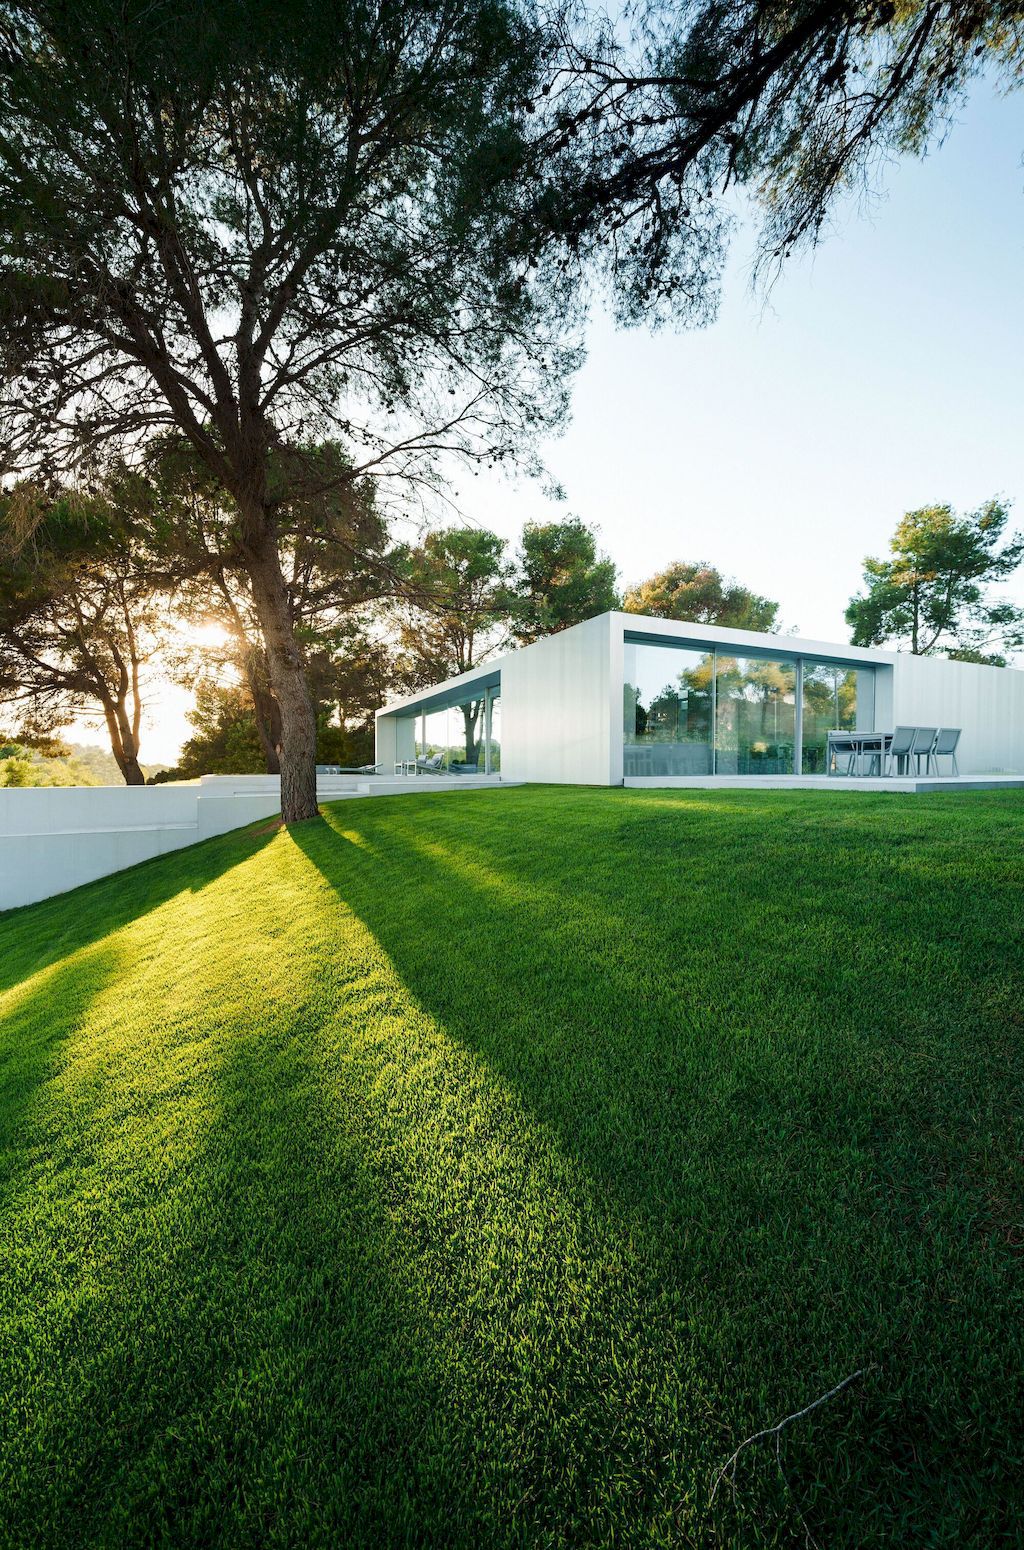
x=921 y=748
x=901 y=743
x=839 y=745
x=945 y=747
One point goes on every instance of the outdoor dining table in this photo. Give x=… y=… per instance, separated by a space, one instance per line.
x=858 y=743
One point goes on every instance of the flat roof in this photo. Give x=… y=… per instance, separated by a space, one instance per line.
x=486 y=676
x=680 y=632
x=642 y=626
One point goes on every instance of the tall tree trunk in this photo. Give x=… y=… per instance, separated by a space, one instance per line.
x=268 y=724
x=132 y=772
x=122 y=745
x=254 y=665
x=471 y=715
x=288 y=680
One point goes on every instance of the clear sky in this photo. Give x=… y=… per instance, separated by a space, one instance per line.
x=783 y=443
x=884 y=371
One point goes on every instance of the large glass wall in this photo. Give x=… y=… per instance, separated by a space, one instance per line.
x=834 y=698
x=755 y=715
x=667 y=708
x=453 y=739
x=693 y=712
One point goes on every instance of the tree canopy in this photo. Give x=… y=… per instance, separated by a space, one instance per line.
x=653 y=119
x=932 y=593
x=263 y=227
x=699 y=593
x=561 y=579
x=456 y=610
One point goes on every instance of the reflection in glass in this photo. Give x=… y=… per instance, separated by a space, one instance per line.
x=666 y=710
x=835 y=698
x=494 y=735
x=453 y=739
x=755 y=718
x=467 y=737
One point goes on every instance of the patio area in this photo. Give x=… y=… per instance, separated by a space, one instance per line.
x=893 y=783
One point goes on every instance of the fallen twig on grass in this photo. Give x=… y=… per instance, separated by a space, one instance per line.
x=729 y=1467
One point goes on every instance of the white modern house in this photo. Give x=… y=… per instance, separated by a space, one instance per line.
x=619 y=700
x=624 y=699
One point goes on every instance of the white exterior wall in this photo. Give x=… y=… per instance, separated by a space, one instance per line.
x=987 y=703
x=556 y=708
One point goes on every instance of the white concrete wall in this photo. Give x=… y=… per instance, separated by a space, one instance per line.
x=386 y=741
x=557 y=721
x=56 y=838
x=987 y=703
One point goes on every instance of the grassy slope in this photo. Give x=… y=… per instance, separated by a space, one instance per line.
x=478 y=1171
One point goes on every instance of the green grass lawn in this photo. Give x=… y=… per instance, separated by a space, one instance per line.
x=480 y=1170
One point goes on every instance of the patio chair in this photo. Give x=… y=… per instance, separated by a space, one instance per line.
x=921 y=748
x=945 y=747
x=899 y=749
x=839 y=745
x=431 y=766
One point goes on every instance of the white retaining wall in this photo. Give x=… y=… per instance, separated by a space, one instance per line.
x=53 y=838
x=56 y=837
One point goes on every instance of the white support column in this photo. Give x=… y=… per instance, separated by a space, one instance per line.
x=798 y=732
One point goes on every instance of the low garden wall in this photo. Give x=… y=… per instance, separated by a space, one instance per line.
x=56 y=837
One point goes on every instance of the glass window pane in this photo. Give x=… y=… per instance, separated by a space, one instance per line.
x=452 y=739
x=836 y=697
x=495 y=753
x=755 y=715
x=467 y=737
x=666 y=710
x=432 y=751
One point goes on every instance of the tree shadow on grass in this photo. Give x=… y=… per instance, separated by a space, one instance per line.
x=306 y=1317
x=717 y=1005
x=37 y=935
x=34 y=1026
x=780 y=1090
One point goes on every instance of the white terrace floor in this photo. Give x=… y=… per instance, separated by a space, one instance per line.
x=909 y=783
x=334 y=788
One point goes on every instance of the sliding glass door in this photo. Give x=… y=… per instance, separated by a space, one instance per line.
x=693 y=712
x=835 y=698
x=755 y=715
x=667 y=710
